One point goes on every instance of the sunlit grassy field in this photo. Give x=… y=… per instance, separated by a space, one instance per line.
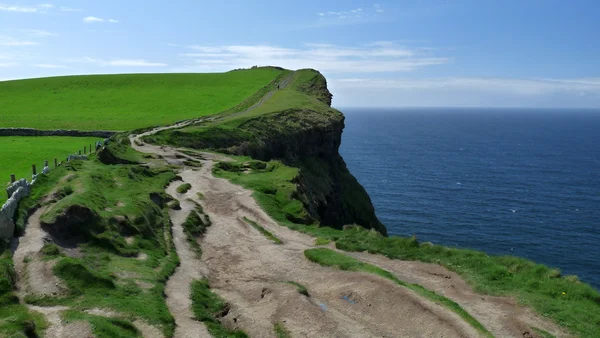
x=124 y=101
x=18 y=153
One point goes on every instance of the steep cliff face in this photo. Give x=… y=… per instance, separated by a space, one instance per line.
x=307 y=138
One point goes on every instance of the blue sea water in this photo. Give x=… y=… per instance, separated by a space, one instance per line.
x=505 y=181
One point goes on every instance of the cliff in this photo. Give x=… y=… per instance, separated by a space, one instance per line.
x=306 y=134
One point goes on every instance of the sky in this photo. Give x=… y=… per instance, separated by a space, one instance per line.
x=403 y=53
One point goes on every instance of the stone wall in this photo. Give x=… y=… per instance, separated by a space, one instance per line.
x=58 y=132
x=16 y=192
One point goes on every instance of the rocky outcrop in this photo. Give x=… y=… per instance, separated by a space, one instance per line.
x=57 y=132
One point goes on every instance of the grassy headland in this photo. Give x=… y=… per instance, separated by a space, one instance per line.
x=124 y=101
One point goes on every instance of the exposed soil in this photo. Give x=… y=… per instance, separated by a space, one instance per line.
x=178 y=288
x=251 y=274
x=34 y=275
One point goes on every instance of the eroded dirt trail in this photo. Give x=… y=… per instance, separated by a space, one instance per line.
x=34 y=275
x=252 y=274
x=178 y=288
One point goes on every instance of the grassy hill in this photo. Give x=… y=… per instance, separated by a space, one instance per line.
x=124 y=101
x=17 y=154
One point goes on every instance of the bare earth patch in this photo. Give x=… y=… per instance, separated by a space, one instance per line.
x=251 y=274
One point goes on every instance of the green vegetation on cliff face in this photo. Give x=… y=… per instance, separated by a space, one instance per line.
x=295 y=125
x=124 y=101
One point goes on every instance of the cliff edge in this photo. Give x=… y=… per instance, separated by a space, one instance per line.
x=292 y=122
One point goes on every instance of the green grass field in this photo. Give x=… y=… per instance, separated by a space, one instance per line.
x=18 y=153
x=124 y=101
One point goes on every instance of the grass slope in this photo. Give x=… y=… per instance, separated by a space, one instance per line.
x=107 y=204
x=18 y=153
x=124 y=101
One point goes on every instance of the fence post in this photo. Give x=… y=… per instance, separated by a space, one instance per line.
x=12 y=178
x=84 y=150
x=33 y=169
x=45 y=163
x=79 y=152
x=55 y=162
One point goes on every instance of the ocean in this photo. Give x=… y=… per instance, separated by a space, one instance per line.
x=523 y=182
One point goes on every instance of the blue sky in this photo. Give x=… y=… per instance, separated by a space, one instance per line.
x=526 y=53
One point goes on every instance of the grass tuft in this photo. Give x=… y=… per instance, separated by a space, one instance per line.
x=322 y=241
x=263 y=231
x=103 y=327
x=281 y=331
x=300 y=288
x=194 y=226
x=207 y=307
x=182 y=189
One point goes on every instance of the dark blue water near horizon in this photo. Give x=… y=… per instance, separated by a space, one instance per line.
x=521 y=182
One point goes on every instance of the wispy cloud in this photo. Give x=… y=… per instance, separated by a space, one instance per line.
x=36 y=33
x=49 y=66
x=12 y=42
x=117 y=62
x=41 y=8
x=325 y=57
x=347 y=16
x=353 y=13
x=93 y=19
x=8 y=64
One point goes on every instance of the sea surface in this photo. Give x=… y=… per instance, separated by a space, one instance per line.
x=521 y=182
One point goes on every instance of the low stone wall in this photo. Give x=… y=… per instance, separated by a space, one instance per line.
x=58 y=132
x=16 y=192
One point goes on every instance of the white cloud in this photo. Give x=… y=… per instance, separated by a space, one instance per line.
x=117 y=63
x=20 y=9
x=70 y=9
x=41 y=8
x=39 y=33
x=49 y=66
x=93 y=19
x=8 y=64
x=378 y=8
x=8 y=41
x=325 y=57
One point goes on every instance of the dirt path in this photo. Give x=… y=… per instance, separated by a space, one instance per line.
x=178 y=288
x=34 y=275
x=251 y=273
